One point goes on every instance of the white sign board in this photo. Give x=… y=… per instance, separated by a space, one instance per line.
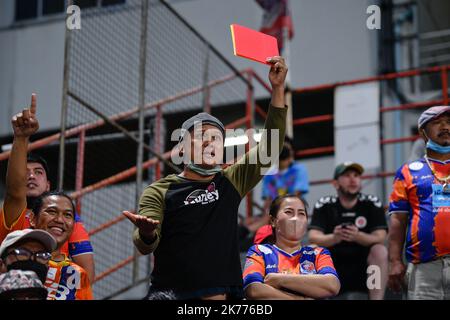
x=357 y=104
x=358 y=144
x=357 y=132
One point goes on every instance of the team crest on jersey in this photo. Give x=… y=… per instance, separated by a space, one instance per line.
x=208 y=195
x=361 y=222
x=415 y=166
x=307 y=267
x=264 y=249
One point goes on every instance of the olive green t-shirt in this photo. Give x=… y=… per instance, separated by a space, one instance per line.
x=196 y=244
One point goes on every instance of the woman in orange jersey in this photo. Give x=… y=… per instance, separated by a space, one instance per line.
x=283 y=269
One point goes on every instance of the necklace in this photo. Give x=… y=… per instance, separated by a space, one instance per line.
x=446 y=186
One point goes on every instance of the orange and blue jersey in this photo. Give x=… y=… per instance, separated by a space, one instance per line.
x=263 y=259
x=419 y=194
x=67 y=281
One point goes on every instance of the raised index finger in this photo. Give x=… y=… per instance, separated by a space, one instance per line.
x=33 y=103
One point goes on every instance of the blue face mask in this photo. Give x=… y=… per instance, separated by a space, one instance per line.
x=437 y=147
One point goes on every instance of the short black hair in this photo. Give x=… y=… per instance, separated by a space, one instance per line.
x=37 y=205
x=33 y=157
x=276 y=203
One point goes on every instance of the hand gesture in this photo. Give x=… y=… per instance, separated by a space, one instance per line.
x=397 y=270
x=145 y=225
x=25 y=123
x=278 y=71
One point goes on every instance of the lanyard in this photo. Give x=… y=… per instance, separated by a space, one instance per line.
x=446 y=186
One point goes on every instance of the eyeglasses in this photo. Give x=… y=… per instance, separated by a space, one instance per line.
x=23 y=254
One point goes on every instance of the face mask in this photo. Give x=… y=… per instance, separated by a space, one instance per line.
x=202 y=171
x=39 y=268
x=291 y=229
x=437 y=147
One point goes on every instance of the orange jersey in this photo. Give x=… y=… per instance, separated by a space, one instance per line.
x=417 y=193
x=67 y=281
x=19 y=224
x=263 y=259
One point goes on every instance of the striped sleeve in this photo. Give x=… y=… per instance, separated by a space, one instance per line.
x=324 y=263
x=254 y=269
x=79 y=242
x=398 y=200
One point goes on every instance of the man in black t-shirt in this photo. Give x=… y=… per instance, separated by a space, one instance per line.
x=189 y=221
x=353 y=226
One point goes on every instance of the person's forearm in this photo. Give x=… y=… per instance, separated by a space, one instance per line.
x=396 y=238
x=323 y=240
x=16 y=174
x=262 y=291
x=368 y=239
x=316 y=286
x=278 y=97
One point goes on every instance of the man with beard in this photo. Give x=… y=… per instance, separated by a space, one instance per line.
x=33 y=181
x=190 y=220
x=353 y=227
x=420 y=214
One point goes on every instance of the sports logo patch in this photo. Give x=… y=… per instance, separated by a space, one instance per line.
x=203 y=196
x=415 y=166
x=361 y=222
x=307 y=267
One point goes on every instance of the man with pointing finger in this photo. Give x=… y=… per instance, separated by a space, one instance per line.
x=189 y=221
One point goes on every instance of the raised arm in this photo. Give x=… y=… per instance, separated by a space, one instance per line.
x=246 y=173
x=24 y=125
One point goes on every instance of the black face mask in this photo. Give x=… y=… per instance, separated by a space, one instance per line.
x=30 y=265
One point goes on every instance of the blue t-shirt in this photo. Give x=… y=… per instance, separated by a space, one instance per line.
x=291 y=180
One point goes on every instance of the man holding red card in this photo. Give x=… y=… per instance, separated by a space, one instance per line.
x=189 y=221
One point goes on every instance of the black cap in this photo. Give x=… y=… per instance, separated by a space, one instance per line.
x=202 y=118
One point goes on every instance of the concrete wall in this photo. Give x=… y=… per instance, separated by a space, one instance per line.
x=31 y=60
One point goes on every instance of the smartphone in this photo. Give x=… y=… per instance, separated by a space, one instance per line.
x=346 y=224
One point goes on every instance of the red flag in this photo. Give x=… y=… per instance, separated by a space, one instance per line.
x=277 y=16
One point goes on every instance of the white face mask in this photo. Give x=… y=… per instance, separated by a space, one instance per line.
x=292 y=229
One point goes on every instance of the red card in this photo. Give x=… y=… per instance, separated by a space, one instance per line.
x=254 y=45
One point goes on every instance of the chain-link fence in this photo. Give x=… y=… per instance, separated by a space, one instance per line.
x=184 y=74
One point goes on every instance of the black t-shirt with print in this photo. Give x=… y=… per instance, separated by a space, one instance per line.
x=196 y=246
x=350 y=258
